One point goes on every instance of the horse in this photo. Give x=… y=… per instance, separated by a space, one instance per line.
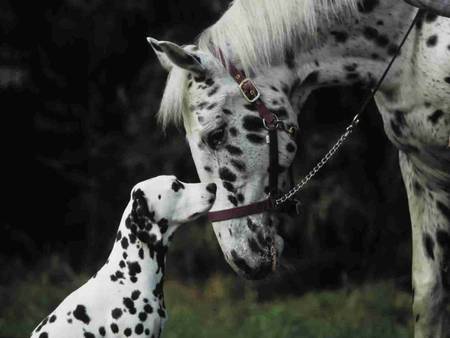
x=282 y=50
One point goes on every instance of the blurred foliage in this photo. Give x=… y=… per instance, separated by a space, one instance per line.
x=224 y=307
x=80 y=88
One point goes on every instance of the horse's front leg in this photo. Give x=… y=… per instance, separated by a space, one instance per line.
x=429 y=210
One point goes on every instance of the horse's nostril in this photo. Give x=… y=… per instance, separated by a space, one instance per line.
x=212 y=188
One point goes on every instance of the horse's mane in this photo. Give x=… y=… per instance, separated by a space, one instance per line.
x=258 y=32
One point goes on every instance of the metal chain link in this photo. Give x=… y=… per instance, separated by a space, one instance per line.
x=320 y=164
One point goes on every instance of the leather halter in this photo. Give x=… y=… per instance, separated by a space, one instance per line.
x=272 y=124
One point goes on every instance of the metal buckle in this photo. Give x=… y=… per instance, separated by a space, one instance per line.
x=255 y=95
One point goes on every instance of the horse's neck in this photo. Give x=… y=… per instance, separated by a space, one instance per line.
x=356 y=52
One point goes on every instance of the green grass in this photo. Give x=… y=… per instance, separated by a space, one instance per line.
x=211 y=310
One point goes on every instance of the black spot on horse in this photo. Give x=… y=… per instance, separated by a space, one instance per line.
x=233 y=131
x=255 y=138
x=239 y=165
x=382 y=40
x=312 y=78
x=432 y=40
x=233 y=200
x=340 y=37
x=370 y=33
x=429 y=246
x=350 y=67
x=367 y=6
x=81 y=314
x=233 y=150
x=443 y=240
x=252 y=123
x=444 y=210
x=226 y=174
x=434 y=118
x=281 y=113
x=290 y=147
x=254 y=246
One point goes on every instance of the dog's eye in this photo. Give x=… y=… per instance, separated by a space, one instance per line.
x=216 y=138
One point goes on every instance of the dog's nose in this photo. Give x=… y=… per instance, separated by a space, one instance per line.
x=212 y=188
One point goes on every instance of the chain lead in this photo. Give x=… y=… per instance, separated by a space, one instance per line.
x=350 y=127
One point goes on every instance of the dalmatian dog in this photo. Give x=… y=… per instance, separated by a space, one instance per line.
x=125 y=297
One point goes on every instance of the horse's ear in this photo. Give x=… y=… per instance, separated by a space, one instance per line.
x=170 y=54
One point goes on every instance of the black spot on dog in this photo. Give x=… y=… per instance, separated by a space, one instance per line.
x=89 y=335
x=432 y=41
x=252 y=123
x=434 y=118
x=124 y=243
x=133 y=268
x=52 y=319
x=429 y=246
x=119 y=236
x=129 y=304
x=139 y=328
x=212 y=188
x=163 y=225
x=226 y=174
x=177 y=185
x=127 y=332
x=114 y=328
x=142 y=316
x=208 y=169
x=430 y=17
x=240 y=198
x=135 y=294
x=447 y=79
x=102 y=331
x=148 y=308
x=340 y=37
x=116 y=313
x=255 y=138
x=80 y=314
x=233 y=150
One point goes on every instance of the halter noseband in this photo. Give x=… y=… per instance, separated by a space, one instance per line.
x=272 y=123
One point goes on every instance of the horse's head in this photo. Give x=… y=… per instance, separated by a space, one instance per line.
x=227 y=139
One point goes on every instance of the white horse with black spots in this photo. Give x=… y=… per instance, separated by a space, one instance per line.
x=125 y=298
x=290 y=48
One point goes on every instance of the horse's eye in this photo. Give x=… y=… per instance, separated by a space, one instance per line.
x=216 y=138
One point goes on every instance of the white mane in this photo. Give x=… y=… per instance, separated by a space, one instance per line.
x=257 y=32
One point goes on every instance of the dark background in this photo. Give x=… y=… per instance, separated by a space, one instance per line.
x=79 y=90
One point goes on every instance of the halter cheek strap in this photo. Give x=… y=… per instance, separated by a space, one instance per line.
x=272 y=124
